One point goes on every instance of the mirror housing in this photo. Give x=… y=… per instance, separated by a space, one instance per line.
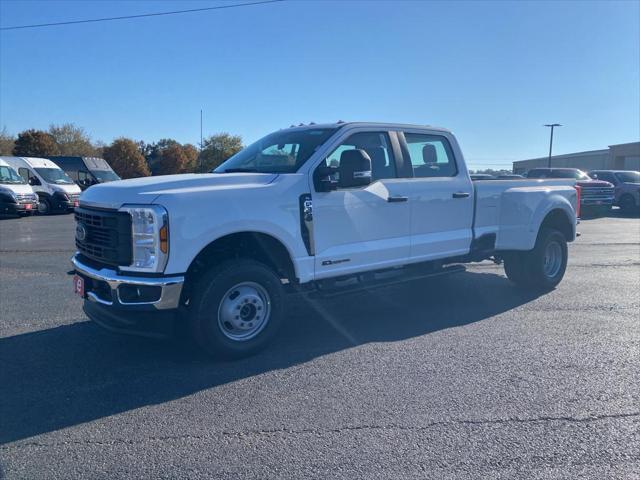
x=355 y=168
x=34 y=181
x=323 y=179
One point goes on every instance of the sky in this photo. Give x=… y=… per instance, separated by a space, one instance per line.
x=492 y=72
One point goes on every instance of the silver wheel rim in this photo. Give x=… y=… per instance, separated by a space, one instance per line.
x=244 y=311
x=43 y=207
x=552 y=259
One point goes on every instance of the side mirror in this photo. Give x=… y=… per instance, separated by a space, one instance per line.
x=594 y=176
x=323 y=179
x=34 y=181
x=355 y=168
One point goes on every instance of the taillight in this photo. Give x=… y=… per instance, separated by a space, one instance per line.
x=578 y=189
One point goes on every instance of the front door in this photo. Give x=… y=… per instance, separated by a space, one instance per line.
x=363 y=228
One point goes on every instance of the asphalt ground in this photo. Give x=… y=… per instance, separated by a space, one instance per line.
x=457 y=377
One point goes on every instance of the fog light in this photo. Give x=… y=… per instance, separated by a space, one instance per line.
x=139 y=293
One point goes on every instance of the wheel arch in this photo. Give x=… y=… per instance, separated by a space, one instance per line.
x=259 y=246
x=558 y=219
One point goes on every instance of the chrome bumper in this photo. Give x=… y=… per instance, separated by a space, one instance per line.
x=170 y=287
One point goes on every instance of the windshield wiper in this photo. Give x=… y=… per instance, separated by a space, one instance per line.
x=240 y=170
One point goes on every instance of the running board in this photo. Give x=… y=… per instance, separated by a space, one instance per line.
x=325 y=292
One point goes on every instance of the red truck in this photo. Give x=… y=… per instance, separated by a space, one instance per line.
x=596 y=196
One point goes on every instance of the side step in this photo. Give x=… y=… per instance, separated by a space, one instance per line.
x=394 y=277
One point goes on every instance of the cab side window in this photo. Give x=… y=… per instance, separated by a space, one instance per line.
x=430 y=155
x=377 y=145
x=24 y=173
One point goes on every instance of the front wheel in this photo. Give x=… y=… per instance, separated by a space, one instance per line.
x=627 y=204
x=541 y=268
x=44 y=207
x=236 y=309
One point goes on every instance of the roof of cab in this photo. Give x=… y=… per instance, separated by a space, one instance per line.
x=384 y=125
x=35 y=162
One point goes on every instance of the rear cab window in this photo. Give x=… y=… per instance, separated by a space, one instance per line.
x=430 y=155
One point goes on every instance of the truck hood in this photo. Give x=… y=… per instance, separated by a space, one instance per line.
x=143 y=191
x=593 y=183
x=18 y=188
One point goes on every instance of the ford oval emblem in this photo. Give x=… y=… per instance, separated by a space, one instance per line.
x=81 y=232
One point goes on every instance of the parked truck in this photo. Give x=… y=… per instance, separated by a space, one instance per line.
x=626 y=185
x=597 y=196
x=16 y=195
x=86 y=171
x=55 y=190
x=311 y=210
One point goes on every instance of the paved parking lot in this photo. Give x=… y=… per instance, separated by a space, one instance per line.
x=458 y=377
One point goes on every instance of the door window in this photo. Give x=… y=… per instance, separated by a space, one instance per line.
x=24 y=173
x=430 y=155
x=378 y=147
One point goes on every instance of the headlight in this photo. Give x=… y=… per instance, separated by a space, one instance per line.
x=149 y=237
x=11 y=193
x=61 y=193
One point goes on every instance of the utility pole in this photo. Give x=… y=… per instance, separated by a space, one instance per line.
x=552 y=125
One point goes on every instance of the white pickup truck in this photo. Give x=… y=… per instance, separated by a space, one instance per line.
x=316 y=209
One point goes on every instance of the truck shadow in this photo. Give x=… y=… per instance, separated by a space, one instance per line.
x=65 y=376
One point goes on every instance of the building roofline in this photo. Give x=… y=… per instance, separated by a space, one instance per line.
x=565 y=155
x=623 y=144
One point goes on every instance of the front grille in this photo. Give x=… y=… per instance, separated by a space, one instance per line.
x=107 y=235
x=597 y=193
x=27 y=197
x=74 y=197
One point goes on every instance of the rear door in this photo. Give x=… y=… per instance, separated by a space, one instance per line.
x=368 y=227
x=441 y=197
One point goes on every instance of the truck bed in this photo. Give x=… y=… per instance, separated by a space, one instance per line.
x=514 y=209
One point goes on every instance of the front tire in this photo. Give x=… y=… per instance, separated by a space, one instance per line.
x=628 y=204
x=236 y=309
x=44 y=207
x=541 y=268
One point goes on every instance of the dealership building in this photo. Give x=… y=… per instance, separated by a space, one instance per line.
x=625 y=156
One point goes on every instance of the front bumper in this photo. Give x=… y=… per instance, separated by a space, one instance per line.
x=64 y=202
x=20 y=207
x=160 y=324
x=600 y=202
x=109 y=288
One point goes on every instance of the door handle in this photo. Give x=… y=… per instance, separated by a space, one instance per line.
x=461 y=195
x=397 y=199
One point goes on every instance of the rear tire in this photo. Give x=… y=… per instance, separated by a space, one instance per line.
x=236 y=309
x=541 y=268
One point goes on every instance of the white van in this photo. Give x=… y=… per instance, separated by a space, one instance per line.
x=56 y=191
x=16 y=195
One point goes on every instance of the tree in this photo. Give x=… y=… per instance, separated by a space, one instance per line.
x=168 y=156
x=35 y=143
x=72 y=140
x=173 y=159
x=217 y=148
x=7 y=142
x=192 y=157
x=125 y=158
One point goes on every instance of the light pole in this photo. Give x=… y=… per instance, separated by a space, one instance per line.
x=552 y=125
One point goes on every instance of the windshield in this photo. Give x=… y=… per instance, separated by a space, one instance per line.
x=628 y=177
x=577 y=174
x=559 y=173
x=280 y=152
x=105 y=175
x=9 y=175
x=54 y=175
